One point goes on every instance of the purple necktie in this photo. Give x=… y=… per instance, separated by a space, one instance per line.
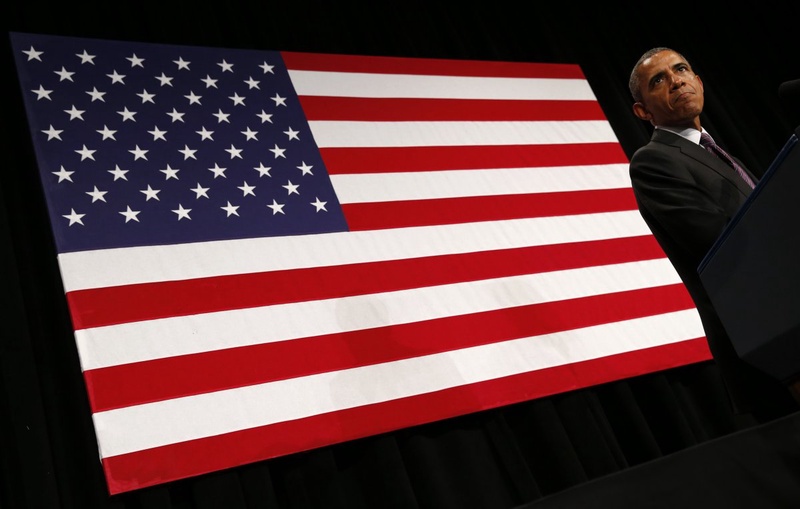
x=708 y=143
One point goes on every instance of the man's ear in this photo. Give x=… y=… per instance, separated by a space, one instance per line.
x=640 y=111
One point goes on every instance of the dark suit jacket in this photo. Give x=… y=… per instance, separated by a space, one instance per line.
x=687 y=196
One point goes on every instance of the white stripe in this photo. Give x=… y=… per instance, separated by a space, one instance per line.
x=385 y=187
x=338 y=134
x=168 y=337
x=156 y=424
x=114 y=267
x=354 y=84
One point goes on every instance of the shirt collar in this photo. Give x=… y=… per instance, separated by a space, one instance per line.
x=690 y=133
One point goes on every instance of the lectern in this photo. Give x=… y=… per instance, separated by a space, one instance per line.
x=752 y=273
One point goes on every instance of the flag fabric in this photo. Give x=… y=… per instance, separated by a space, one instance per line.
x=267 y=252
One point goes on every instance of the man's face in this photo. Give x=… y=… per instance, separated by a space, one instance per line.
x=672 y=94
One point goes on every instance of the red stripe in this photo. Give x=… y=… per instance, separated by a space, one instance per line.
x=177 y=461
x=401 y=214
x=427 y=66
x=124 y=385
x=404 y=109
x=148 y=301
x=339 y=161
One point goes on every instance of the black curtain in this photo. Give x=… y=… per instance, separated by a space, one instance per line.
x=495 y=459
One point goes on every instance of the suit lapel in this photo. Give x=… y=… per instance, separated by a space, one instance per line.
x=703 y=157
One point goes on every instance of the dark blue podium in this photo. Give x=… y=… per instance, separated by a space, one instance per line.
x=752 y=273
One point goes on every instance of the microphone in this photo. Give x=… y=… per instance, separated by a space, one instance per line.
x=789 y=95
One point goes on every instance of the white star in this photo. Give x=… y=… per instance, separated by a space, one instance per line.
x=279 y=101
x=237 y=99
x=86 y=153
x=158 y=134
x=218 y=172
x=181 y=63
x=42 y=93
x=222 y=117
x=139 y=153
x=225 y=66
x=64 y=74
x=278 y=151
x=247 y=189
x=263 y=170
x=150 y=193
x=116 y=77
x=74 y=113
x=187 y=153
x=97 y=194
x=182 y=212
x=292 y=188
x=52 y=133
x=230 y=209
x=107 y=133
x=34 y=55
x=63 y=174
x=85 y=57
x=251 y=83
x=127 y=114
x=96 y=95
x=136 y=61
x=176 y=116
x=234 y=152
x=209 y=82
x=165 y=80
x=205 y=134
x=147 y=97
x=267 y=68
x=74 y=217
x=319 y=205
x=170 y=173
x=193 y=98
x=265 y=117
x=292 y=134
x=305 y=169
x=118 y=173
x=250 y=134
x=276 y=208
x=130 y=215
x=200 y=191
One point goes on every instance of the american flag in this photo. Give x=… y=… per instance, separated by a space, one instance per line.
x=266 y=252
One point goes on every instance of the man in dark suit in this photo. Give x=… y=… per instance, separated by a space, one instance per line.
x=687 y=195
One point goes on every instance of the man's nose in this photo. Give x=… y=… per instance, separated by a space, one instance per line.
x=675 y=80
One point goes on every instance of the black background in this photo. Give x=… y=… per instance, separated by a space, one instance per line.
x=494 y=459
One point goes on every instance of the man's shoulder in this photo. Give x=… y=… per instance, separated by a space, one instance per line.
x=661 y=142
x=662 y=137
x=653 y=148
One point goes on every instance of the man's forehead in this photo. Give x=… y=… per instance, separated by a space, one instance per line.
x=663 y=60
